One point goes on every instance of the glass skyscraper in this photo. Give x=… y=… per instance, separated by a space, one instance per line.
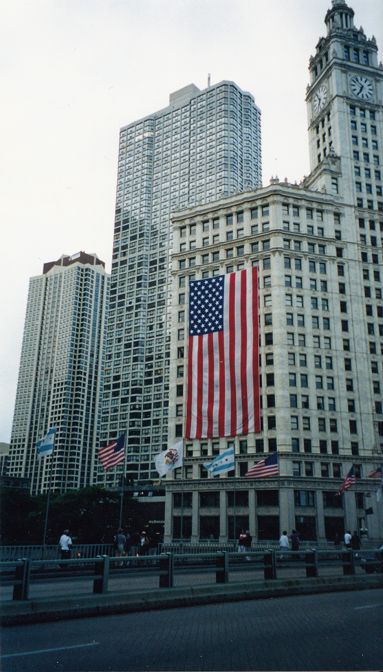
x=204 y=146
x=61 y=371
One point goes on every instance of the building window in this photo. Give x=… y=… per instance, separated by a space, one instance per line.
x=304 y=498
x=296 y=468
x=295 y=445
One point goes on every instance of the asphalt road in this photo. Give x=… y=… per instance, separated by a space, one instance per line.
x=333 y=631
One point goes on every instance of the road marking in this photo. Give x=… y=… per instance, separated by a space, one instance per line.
x=60 y=648
x=370 y=606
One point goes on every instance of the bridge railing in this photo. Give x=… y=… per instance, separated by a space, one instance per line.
x=51 y=551
x=101 y=568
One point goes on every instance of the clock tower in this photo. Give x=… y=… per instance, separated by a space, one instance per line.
x=344 y=106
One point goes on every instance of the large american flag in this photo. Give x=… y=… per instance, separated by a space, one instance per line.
x=223 y=380
x=264 y=468
x=113 y=454
x=348 y=481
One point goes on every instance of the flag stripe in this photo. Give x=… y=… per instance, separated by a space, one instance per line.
x=254 y=363
x=211 y=382
x=243 y=397
x=231 y=420
x=223 y=381
x=221 y=373
x=189 y=389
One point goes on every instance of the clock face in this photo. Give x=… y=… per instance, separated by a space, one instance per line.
x=362 y=87
x=320 y=98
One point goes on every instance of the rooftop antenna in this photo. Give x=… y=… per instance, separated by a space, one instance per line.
x=208 y=80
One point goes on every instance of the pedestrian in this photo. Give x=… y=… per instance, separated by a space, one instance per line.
x=241 y=546
x=153 y=544
x=135 y=543
x=294 y=538
x=119 y=544
x=128 y=546
x=337 y=544
x=145 y=543
x=248 y=544
x=65 y=546
x=284 y=543
x=355 y=542
x=347 y=539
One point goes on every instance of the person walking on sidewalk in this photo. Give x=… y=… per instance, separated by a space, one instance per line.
x=119 y=544
x=248 y=544
x=65 y=546
x=241 y=545
x=284 y=543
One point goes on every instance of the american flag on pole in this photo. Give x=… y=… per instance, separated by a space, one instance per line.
x=348 y=481
x=222 y=379
x=264 y=468
x=113 y=454
x=376 y=473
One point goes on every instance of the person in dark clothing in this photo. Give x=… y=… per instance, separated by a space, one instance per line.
x=248 y=544
x=294 y=538
x=355 y=542
x=135 y=543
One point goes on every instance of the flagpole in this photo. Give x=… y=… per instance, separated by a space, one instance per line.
x=48 y=501
x=234 y=502
x=122 y=500
x=182 y=503
x=122 y=488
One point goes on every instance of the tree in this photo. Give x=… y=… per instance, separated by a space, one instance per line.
x=92 y=515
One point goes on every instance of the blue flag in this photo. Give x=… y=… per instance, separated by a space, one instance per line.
x=45 y=445
x=222 y=463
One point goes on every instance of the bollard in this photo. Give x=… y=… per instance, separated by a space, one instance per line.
x=22 y=576
x=101 y=567
x=311 y=563
x=166 y=570
x=269 y=565
x=348 y=563
x=222 y=567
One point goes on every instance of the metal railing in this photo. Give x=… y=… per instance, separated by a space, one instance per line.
x=166 y=565
x=51 y=552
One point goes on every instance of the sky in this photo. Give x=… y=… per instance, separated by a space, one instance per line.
x=73 y=72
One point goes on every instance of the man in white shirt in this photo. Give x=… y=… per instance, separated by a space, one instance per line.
x=65 y=545
x=284 y=542
x=347 y=539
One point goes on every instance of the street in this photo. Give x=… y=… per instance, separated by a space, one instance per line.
x=333 y=631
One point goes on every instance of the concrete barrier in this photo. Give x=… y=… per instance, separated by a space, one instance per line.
x=52 y=609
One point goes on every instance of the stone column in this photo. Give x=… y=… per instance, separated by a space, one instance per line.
x=195 y=512
x=168 y=517
x=222 y=516
x=320 y=516
x=286 y=510
x=252 y=512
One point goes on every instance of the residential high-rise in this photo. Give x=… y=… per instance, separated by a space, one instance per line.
x=203 y=146
x=61 y=373
x=318 y=249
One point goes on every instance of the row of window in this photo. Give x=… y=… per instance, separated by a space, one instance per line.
x=240 y=498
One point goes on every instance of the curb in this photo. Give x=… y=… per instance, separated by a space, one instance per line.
x=54 y=609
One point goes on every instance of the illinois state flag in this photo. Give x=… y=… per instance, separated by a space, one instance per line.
x=222 y=379
x=169 y=459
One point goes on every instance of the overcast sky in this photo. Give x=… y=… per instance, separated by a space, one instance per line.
x=74 y=71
